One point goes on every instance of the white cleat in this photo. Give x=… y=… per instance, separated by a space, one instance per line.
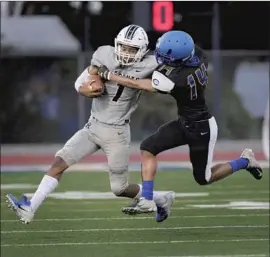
x=142 y=206
x=25 y=213
x=253 y=167
x=164 y=210
x=21 y=207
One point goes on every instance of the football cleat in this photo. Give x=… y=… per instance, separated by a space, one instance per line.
x=141 y=206
x=253 y=167
x=163 y=211
x=132 y=205
x=21 y=207
x=12 y=202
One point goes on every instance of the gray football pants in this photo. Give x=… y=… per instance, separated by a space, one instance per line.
x=114 y=140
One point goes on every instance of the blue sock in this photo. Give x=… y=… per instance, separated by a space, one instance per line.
x=238 y=164
x=147 y=189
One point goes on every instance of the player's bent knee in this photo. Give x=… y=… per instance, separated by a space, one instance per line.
x=118 y=181
x=118 y=188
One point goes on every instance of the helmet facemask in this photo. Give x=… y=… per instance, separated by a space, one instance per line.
x=127 y=54
x=131 y=45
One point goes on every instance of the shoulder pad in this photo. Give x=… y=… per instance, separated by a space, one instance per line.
x=101 y=54
x=161 y=82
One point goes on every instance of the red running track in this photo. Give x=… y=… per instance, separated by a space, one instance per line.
x=99 y=158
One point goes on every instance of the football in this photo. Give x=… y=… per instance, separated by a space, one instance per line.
x=98 y=84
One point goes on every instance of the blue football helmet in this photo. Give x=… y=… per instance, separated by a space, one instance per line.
x=174 y=48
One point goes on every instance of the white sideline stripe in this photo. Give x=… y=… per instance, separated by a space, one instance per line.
x=146 y=218
x=139 y=242
x=237 y=255
x=128 y=229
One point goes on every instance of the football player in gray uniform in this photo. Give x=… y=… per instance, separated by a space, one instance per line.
x=108 y=126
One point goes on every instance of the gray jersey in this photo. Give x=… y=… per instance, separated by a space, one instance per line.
x=117 y=104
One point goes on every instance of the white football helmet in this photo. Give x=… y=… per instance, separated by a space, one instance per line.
x=131 y=45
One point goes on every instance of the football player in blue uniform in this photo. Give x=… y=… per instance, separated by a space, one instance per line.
x=182 y=73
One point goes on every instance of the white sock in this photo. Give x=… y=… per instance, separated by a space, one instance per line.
x=157 y=197
x=46 y=186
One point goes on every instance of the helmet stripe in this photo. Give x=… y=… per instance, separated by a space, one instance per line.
x=131 y=31
x=127 y=32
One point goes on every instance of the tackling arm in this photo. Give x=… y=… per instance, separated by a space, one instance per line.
x=142 y=84
x=158 y=83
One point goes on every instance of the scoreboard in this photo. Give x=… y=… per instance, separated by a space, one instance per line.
x=157 y=17
x=177 y=15
x=162 y=16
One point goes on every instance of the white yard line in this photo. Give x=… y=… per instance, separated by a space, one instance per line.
x=238 y=192
x=178 y=201
x=114 y=210
x=175 y=209
x=143 y=218
x=63 y=203
x=130 y=229
x=85 y=210
x=138 y=242
x=218 y=200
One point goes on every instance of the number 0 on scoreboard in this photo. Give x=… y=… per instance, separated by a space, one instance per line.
x=162 y=16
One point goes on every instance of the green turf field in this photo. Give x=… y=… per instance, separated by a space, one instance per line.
x=97 y=228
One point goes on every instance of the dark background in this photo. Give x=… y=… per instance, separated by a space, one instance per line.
x=244 y=25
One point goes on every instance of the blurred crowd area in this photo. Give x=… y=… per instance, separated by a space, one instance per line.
x=41 y=104
x=46 y=45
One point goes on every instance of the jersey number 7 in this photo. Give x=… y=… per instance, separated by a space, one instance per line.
x=118 y=93
x=201 y=79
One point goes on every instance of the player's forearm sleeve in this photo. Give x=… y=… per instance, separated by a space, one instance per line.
x=81 y=79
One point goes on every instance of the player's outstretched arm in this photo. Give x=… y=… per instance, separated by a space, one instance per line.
x=142 y=84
